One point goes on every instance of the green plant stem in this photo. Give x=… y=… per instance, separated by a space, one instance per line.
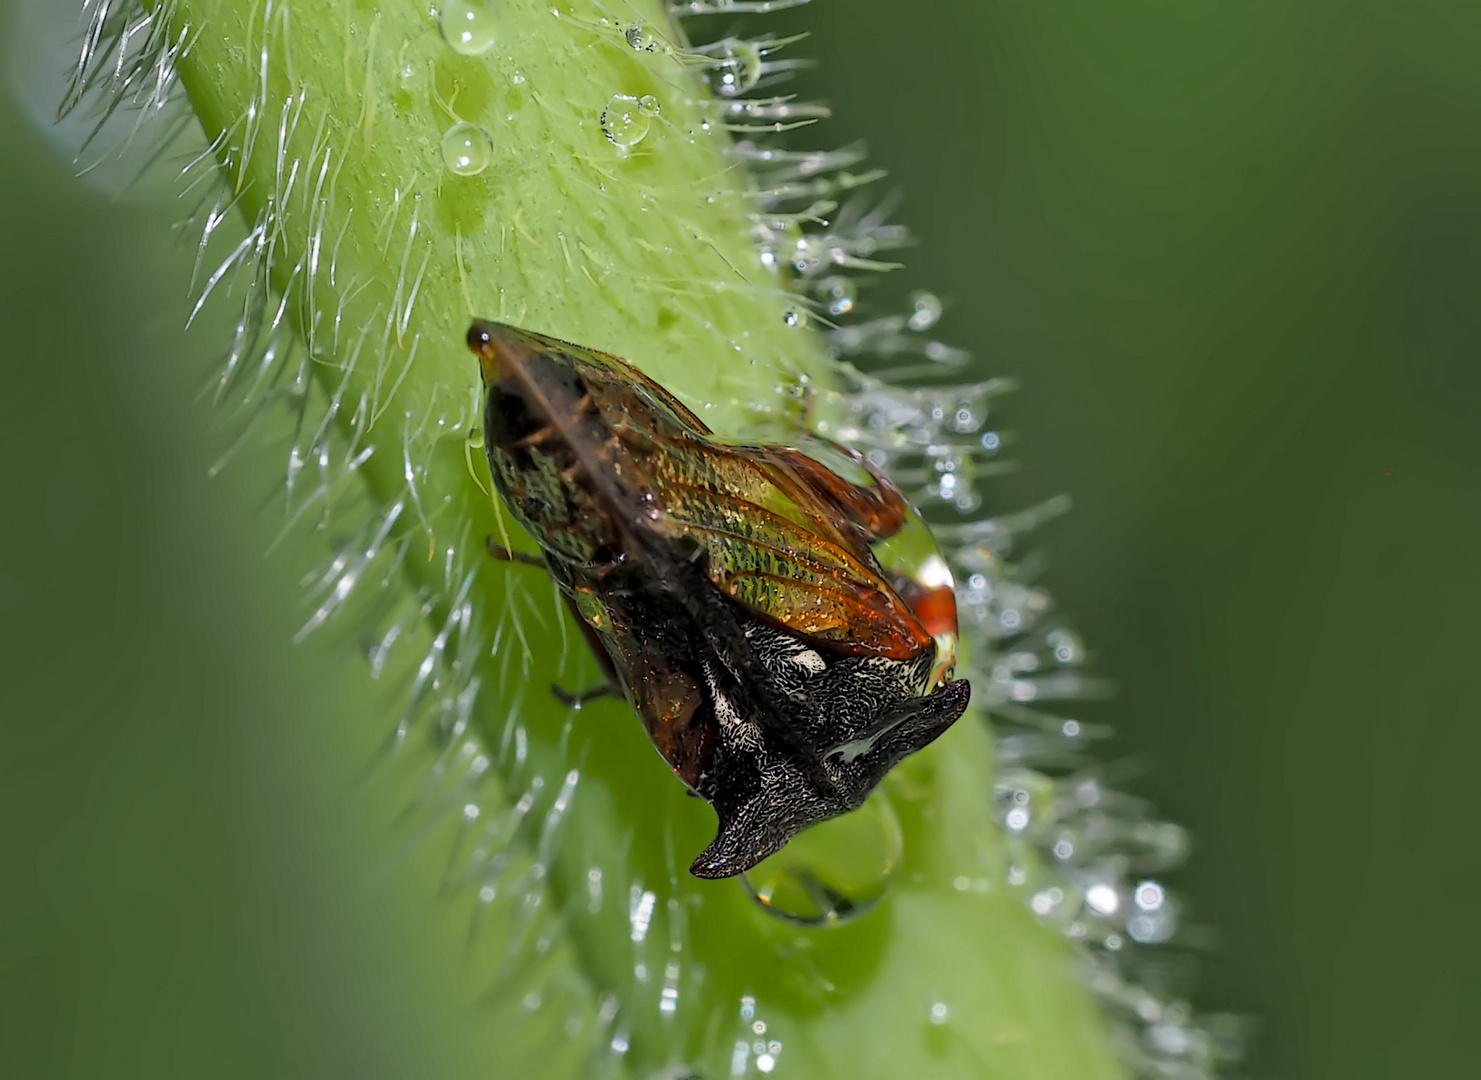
x=334 y=114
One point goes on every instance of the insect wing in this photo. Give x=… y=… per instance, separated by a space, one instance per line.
x=786 y=552
x=784 y=536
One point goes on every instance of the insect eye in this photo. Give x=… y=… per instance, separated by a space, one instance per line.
x=479 y=336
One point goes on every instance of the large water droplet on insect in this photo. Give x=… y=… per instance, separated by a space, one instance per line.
x=467 y=149
x=737 y=67
x=468 y=26
x=833 y=872
x=626 y=119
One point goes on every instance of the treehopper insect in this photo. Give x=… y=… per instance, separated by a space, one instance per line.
x=780 y=620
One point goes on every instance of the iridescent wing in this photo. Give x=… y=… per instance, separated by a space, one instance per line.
x=784 y=535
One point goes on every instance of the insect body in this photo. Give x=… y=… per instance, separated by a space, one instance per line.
x=786 y=633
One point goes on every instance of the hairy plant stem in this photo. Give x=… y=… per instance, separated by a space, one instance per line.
x=331 y=116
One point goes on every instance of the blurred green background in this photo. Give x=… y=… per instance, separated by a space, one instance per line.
x=1232 y=252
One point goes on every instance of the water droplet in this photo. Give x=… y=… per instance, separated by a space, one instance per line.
x=839 y=293
x=1068 y=649
x=926 y=313
x=624 y=121
x=737 y=66
x=468 y=26
x=834 y=872
x=649 y=106
x=1103 y=898
x=793 y=317
x=640 y=38
x=1149 y=896
x=467 y=149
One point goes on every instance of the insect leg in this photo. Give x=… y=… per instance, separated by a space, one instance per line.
x=611 y=688
x=579 y=700
x=503 y=554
